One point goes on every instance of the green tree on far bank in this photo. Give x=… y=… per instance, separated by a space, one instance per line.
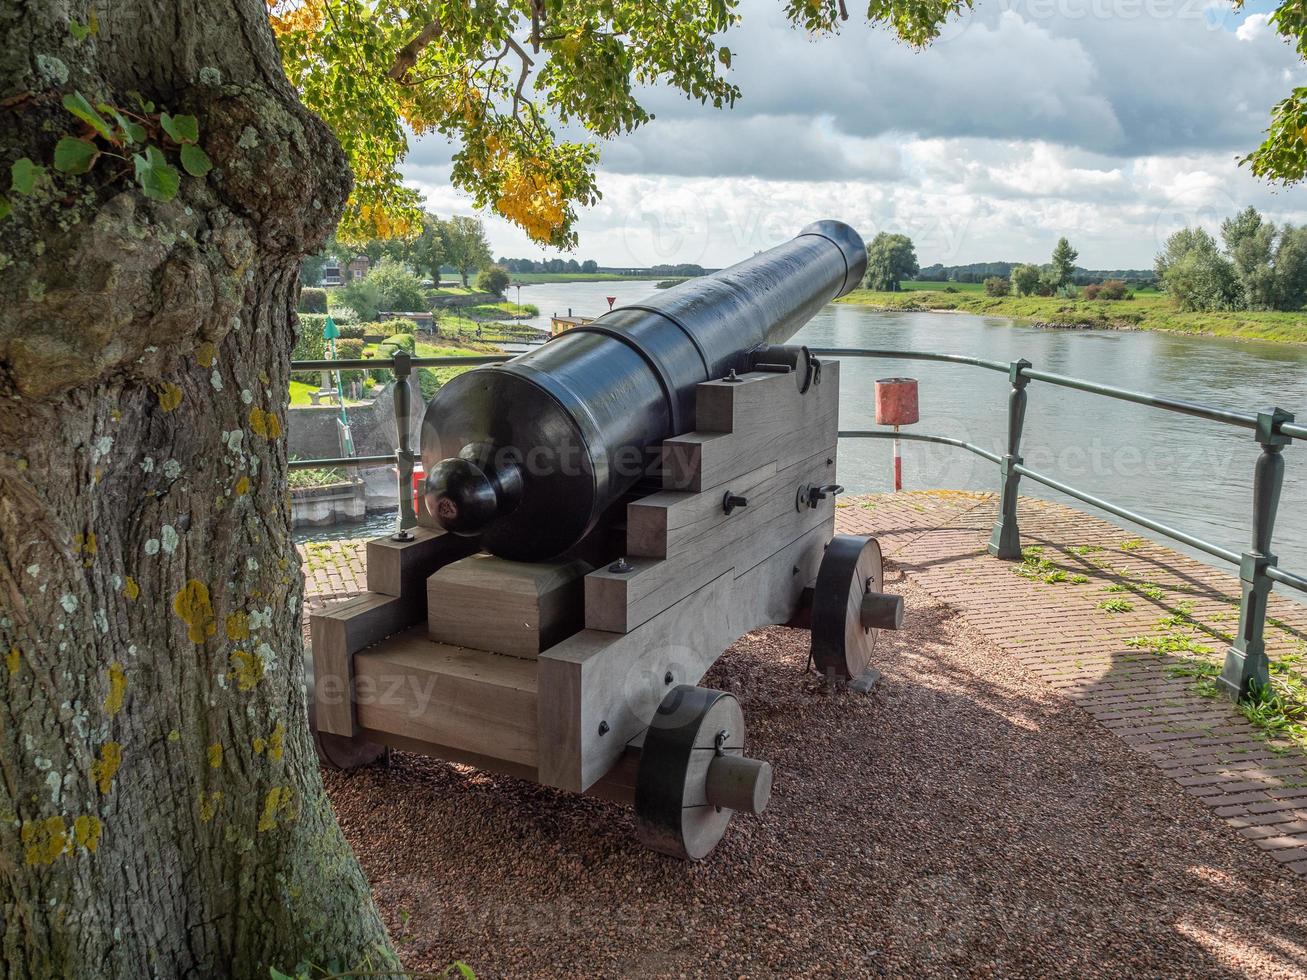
x=1195 y=274
x=891 y=258
x=1063 y=264
x=466 y=248
x=428 y=251
x=1262 y=267
x=492 y=279
x=1025 y=280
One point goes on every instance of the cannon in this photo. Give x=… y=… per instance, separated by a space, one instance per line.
x=602 y=517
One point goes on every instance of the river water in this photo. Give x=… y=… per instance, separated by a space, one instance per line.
x=1192 y=474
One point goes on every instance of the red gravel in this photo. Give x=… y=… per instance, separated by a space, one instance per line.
x=961 y=820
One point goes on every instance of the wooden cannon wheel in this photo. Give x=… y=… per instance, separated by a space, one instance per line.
x=338 y=751
x=850 y=580
x=693 y=773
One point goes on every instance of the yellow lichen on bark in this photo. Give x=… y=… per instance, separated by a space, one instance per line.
x=206 y=354
x=106 y=767
x=113 y=701
x=130 y=589
x=215 y=755
x=246 y=670
x=86 y=831
x=209 y=804
x=238 y=626
x=273 y=744
x=170 y=396
x=242 y=486
x=276 y=803
x=44 y=840
x=13 y=660
x=192 y=606
x=265 y=424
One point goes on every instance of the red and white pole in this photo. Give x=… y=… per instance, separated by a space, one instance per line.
x=896 y=404
x=898 y=462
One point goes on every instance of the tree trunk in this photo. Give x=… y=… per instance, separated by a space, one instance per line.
x=162 y=811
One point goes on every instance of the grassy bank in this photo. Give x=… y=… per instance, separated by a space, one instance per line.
x=1147 y=311
x=537 y=277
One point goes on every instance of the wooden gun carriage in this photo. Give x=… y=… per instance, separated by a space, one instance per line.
x=579 y=669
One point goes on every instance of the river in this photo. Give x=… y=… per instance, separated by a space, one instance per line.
x=1192 y=474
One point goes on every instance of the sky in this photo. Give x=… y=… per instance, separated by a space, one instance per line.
x=1113 y=122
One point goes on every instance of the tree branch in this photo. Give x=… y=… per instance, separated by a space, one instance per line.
x=408 y=54
x=521 y=78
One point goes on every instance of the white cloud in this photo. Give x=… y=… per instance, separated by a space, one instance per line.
x=1256 y=26
x=1111 y=121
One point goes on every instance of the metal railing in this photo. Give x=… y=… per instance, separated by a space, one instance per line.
x=401 y=365
x=1246 y=665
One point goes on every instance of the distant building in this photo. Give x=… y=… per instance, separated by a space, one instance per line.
x=424 y=319
x=357 y=268
x=562 y=324
x=336 y=274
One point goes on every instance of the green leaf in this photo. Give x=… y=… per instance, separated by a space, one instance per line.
x=158 y=178
x=74 y=156
x=24 y=175
x=182 y=129
x=133 y=132
x=76 y=104
x=195 y=161
x=5 y=207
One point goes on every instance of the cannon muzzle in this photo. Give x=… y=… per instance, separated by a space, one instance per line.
x=532 y=453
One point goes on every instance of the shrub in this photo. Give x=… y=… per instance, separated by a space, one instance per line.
x=1092 y=291
x=313 y=300
x=342 y=315
x=309 y=345
x=349 y=349
x=397 y=325
x=492 y=279
x=1113 y=289
x=951 y=289
x=362 y=296
x=997 y=286
x=530 y=309
x=428 y=383
x=400 y=341
x=1025 y=280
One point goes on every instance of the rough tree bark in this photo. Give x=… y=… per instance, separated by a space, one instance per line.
x=160 y=806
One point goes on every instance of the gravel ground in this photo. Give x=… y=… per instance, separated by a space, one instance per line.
x=960 y=820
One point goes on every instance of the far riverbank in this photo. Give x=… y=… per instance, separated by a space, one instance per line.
x=1147 y=311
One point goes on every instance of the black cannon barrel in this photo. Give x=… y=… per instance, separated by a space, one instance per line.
x=530 y=453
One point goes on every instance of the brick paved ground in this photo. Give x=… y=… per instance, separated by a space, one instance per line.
x=1131 y=666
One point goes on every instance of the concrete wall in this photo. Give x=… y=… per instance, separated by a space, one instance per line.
x=312 y=431
x=313 y=434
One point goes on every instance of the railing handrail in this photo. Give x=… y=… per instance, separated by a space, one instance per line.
x=387 y=363
x=1247 y=667
x=1227 y=416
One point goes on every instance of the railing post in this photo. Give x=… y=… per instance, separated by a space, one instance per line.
x=1246 y=666
x=404 y=457
x=1005 y=542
